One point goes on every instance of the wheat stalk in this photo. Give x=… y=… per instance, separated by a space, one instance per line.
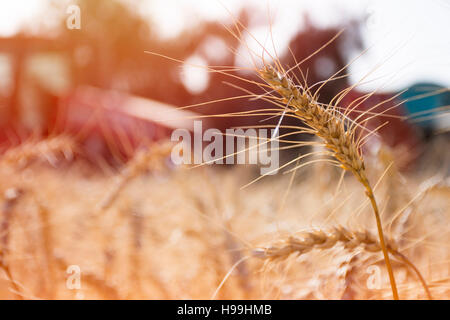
x=11 y=197
x=340 y=140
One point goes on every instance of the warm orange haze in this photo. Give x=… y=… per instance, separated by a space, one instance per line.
x=247 y=150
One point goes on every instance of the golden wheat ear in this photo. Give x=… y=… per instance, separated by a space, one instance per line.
x=324 y=239
x=330 y=126
x=50 y=150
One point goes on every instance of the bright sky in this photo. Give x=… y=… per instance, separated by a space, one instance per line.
x=14 y=14
x=408 y=39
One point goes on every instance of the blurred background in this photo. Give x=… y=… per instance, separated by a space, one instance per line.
x=81 y=67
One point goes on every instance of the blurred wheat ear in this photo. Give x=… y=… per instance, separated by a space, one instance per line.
x=324 y=239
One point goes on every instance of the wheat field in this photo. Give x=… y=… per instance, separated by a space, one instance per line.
x=193 y=233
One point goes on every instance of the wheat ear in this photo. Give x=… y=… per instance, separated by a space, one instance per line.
x=330 y=126
x=146 y=159
x=306 y=241
x=323 y=239
x=48 y=149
